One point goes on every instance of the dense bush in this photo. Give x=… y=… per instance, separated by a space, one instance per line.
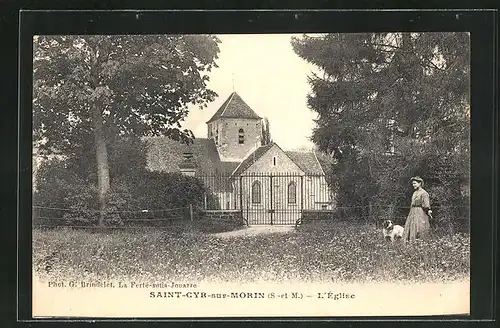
x=67 y=184
x=156 y=190
x=56 y=183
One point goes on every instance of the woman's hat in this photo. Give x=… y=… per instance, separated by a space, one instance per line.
x=417 y=178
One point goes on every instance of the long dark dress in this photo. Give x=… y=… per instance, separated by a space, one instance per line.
x=417 y=223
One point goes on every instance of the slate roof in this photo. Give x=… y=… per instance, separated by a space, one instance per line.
x=229 y=167
x=307 y=161
x=234 y=107
x=165 y=154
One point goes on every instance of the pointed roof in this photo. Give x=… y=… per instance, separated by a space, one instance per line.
x=307 y=161
x=234 y=107
x=252 y=158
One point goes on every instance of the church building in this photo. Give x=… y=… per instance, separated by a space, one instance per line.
x=243 y=172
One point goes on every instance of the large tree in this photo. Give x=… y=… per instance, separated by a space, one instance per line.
x=387 y=104
x=87 y=90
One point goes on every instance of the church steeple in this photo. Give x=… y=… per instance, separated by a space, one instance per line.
x=235 y=128
x=234 y=107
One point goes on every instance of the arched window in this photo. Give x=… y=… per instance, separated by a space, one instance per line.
x=241 y=136
x=292 y=193
x=256 y=192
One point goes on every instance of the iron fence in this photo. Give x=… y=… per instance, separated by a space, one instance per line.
x=259 y=199
x=268 y=198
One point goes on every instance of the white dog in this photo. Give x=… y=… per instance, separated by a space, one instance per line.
x=391 y=230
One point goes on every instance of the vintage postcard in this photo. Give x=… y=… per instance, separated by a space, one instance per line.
x=263 y=175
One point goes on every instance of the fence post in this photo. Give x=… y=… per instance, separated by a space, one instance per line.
x=370 y=212
x=302 y=193
x=241 y=194
x=301 y=198
x=191 y=211
x=271 y=207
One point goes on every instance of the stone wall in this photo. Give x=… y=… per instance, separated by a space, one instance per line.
x=229 y=147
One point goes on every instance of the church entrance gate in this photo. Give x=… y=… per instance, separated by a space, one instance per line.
x=271 y=199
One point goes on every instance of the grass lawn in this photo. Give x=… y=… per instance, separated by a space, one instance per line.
x=320 y=252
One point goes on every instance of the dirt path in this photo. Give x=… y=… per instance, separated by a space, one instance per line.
x=255 y=230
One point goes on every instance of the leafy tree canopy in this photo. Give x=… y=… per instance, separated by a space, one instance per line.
x=391 y=105
x=142 y=84
x=417 y=82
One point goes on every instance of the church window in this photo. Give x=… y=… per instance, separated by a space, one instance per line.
x=241 y=136
x=292 y=193
x=256 y=192
x=274 y=161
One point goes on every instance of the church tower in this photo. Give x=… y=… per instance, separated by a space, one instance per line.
x=235 y=128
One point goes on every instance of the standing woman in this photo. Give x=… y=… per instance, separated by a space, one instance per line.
x=417 y=224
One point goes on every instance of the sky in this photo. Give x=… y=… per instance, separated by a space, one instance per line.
x=270 y=78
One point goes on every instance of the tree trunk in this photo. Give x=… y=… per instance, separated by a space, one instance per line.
x=99 y=137
x=101 y=160
x=370 y=210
